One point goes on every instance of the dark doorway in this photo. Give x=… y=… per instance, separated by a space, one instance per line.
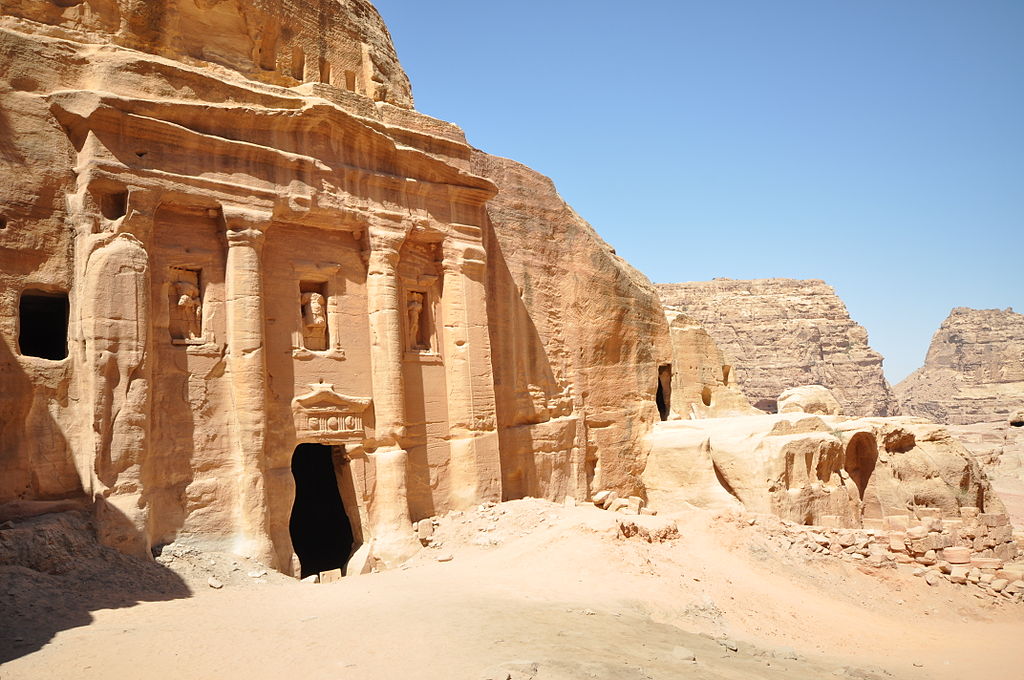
x=43 y=324
x=664 y=396
x=320 y=529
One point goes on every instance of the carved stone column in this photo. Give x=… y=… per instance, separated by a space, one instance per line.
x=390 y=521
x=247 y=366
x=386 y=344
x=475 y=461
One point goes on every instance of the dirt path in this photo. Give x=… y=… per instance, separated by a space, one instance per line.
x=540 y=591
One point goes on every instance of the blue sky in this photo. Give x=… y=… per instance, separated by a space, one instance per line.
x=875 y=144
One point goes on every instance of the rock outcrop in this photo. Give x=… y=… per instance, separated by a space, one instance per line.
x=974 y=370
x=809 y=399
x=784 y=333
x=235 y=263
x=809 y=469
x=699 y=383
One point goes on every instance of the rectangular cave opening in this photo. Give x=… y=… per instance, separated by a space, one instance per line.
x=43 y=324
x=320 y=529
x=114 y=204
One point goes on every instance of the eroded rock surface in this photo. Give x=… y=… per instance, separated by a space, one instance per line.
x=700 y=383
x=811 y=469
x=235 y=262
x=974 y=370
x=783 y=333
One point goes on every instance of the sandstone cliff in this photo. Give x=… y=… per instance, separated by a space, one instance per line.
x=974 y=370
x=576 y=331
x=228 y=243
x=784 y=333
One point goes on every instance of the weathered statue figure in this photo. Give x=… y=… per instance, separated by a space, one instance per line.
x=314 y=319
x=415 y=310
x=188 y=312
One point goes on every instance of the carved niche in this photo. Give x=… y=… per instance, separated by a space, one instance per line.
x=323 y=415
x=185 y=307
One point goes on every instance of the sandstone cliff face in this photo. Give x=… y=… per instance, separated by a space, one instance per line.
x=578 y=337
x=974 y=370
x=209 y=264
x=343 y=43
x=783 y=333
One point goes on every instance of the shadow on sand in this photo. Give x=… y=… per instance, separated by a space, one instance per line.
x=53 y=574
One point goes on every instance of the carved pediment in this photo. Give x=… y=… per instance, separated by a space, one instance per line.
x=327 y=416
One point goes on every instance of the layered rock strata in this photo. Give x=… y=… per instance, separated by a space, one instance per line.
x=973 y=372
x=784 y=333
x=236 y=263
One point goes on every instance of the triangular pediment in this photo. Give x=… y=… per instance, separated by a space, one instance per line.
x=323 y=396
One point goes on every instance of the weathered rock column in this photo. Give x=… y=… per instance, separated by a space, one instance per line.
x=114 y=324
x=247 y=366
x=391 y=525
x=475 y=460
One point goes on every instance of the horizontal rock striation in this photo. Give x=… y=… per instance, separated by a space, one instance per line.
x=974 y=370
x=783 y=333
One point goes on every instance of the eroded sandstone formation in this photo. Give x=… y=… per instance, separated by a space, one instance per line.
x=784 y=333
x=700 y=382
x=974 y=370
x=236 y=263
x=815 y=469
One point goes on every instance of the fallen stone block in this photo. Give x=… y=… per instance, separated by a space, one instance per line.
x=956 y=555
x=986 y=563
x=969 y=511
x=992 y=519
x=958 y=574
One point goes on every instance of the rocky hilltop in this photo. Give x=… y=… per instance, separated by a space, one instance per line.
x=782 y=333
x=974 y=370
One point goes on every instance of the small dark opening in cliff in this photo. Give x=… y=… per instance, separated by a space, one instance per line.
x=664 y=396
x=861 y=458
x=43 y=324
x=705 y=395
x=319 y=526
x=1017 y=423
x=114 y=205
x=3 y=222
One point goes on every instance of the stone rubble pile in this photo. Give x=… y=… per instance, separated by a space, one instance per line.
x=975 y=549
x=631 y=505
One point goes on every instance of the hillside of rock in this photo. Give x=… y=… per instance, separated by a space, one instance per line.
x=784 y=333
x=973 y=372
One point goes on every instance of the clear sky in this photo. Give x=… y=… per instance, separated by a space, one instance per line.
x=875 y=144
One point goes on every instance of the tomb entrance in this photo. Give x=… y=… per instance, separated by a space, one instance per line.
x=320 y=529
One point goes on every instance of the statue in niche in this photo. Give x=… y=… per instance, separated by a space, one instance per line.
x=314 y=320
x=186 y=320
x=415 y=311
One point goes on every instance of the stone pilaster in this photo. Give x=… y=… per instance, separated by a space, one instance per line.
x=247 y=366
x=390 y=522
x=475 y=461
x=386 y=344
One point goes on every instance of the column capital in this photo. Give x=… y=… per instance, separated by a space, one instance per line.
x=461 y=255
x=239 y=218
x=385 y=241
x=244 y=237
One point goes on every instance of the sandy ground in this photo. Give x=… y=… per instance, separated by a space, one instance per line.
x=533 y=590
